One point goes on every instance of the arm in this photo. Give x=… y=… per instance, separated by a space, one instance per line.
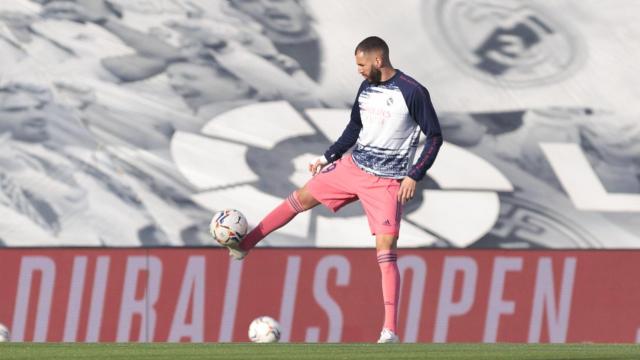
x=422 y=111
x=350 y=134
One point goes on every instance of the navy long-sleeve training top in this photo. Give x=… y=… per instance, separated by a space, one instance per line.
x=386 y=121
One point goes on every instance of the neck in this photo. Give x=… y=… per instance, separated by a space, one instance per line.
x=387 y=73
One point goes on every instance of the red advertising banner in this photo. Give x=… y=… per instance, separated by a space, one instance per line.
x=319 y=295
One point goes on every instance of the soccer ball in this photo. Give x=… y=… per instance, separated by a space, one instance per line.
x=4 y=333
x=264 y=329
x=228 y=227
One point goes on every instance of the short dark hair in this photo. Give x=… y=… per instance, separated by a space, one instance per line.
x=373 y=43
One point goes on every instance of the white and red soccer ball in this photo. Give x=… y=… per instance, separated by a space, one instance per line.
x=4 y=333
x=228 y=227
x=264 y=329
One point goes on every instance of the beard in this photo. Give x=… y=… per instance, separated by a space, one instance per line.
x=375 y=75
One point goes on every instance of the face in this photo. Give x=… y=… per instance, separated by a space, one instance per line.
x=369 y=65
x=201 y=84
x=23 y=115
x=282 y=16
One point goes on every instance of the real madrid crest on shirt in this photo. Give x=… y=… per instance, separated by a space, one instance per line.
x=505 y=41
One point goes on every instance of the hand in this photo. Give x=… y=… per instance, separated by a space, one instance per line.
x=407 y=190
x=317 y=165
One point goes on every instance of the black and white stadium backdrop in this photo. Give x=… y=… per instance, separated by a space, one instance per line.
x=128 y=122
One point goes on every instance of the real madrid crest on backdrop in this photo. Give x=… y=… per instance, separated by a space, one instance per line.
x=509 y=42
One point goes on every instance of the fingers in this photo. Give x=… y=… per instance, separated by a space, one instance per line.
x=314 y=168
x=407 y=190
x=405 y=194
x=316 y=165
x=402 y=198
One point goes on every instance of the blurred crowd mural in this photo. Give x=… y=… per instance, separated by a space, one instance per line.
x=128 y=122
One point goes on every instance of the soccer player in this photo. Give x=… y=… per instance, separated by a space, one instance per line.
x=390 y=111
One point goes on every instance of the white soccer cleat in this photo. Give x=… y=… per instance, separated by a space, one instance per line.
x=236 y=253
x=388 y=337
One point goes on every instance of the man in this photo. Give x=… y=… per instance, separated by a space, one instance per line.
x=386 y=119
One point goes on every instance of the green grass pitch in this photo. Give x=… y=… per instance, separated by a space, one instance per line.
x=318 y=351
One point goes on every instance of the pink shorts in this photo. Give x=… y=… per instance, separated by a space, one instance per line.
x=343 y=182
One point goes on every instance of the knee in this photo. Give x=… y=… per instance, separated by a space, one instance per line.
x=306 y=199
x=386 y=242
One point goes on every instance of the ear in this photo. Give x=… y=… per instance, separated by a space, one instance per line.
x=378 y=62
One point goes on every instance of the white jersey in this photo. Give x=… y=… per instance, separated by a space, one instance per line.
x=386 y=121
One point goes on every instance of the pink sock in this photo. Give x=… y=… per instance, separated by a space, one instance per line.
x=387 y=260
x=276 y=219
